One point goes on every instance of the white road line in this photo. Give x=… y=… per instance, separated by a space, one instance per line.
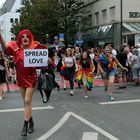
x=90 y=136
x=22 y=109
x=95 y=127
x=120 y=102
x=56 y=127
x=66 y=117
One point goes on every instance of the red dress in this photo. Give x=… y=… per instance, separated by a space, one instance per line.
x=26 y=76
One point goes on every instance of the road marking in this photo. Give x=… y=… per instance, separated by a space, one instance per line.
x=22 y=109
x=90 y=136
x=66 y=117
x=120 y=102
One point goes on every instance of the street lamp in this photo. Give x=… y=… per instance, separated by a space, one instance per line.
x=78 y=19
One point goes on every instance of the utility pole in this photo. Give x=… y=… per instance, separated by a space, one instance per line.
x=121 y=20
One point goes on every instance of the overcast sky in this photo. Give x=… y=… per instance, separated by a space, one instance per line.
x=1 y=2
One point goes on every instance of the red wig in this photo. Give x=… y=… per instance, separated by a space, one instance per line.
x=29 y=34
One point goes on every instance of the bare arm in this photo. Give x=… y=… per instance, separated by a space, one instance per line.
x=100 y=68
x=7 y=70
x=3 y=44
x=92 y=68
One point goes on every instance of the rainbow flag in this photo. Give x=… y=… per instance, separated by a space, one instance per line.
x=89 y=77
x=104 y=61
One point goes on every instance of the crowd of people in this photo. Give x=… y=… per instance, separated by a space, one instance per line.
x=73 y=63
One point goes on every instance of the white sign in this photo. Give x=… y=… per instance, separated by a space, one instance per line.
x=35 y=57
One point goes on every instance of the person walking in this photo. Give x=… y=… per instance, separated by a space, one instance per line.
x=107 y=65
x=26 y=76
x=4 y=74
x=135 y=65
x=121 y=74
x=49 y=73
x=69 y=62
x=86 y=72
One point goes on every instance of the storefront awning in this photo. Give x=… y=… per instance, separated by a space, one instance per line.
x=102 y=32
x=132 y=28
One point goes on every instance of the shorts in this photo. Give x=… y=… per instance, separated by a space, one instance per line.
x=108 y=73
x=121 y=73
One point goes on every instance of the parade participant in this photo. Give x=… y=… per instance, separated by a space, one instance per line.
x=121 y=74
x=107 y=65
x=135 y=65
x=49 y=70
x=4 y=72
x=61 y=55
x=77 y=54
x=128 y=63
x=69 y=62
x=26 y=76
x=86 y=72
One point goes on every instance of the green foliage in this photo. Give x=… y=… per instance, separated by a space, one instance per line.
x=48 y=17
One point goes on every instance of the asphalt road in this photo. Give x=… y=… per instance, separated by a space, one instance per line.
x=67 y=117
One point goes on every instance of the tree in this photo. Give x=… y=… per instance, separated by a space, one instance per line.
x=48 y=17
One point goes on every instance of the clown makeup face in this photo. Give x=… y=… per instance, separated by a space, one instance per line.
x=25 y=41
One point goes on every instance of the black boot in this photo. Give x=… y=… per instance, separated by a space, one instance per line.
x=31 y=126
x=24 y=129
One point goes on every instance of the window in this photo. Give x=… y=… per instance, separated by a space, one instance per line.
x=90 y=20
x=12 y=38
x=112 y=13
x=16 y=20
x=104 y=15
x=22 y=2
x=11 y=20
x=96 y=18
x=124 y=40
x=12 y=29
x=17 y=10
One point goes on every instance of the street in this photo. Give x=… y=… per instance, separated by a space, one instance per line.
x=67 y=117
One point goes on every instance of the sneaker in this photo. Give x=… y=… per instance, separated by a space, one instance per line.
x=86 y=96
x=0 y=97
x=44 y=100
x=111 y=98
x=71 y=92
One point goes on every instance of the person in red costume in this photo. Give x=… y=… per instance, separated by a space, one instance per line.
x=26 y=76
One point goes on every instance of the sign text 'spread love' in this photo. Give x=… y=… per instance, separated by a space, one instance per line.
x=35 y=57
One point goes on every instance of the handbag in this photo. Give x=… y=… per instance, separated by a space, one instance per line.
x=46 y=82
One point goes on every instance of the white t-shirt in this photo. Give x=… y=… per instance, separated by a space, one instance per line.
x=129 y=57
x=92 y=55
x=114 y=52
x=69 y=61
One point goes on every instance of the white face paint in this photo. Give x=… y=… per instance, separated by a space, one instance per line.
x=25 y=41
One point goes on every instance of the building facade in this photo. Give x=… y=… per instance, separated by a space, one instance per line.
x=9 y=14
x=113 y=21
